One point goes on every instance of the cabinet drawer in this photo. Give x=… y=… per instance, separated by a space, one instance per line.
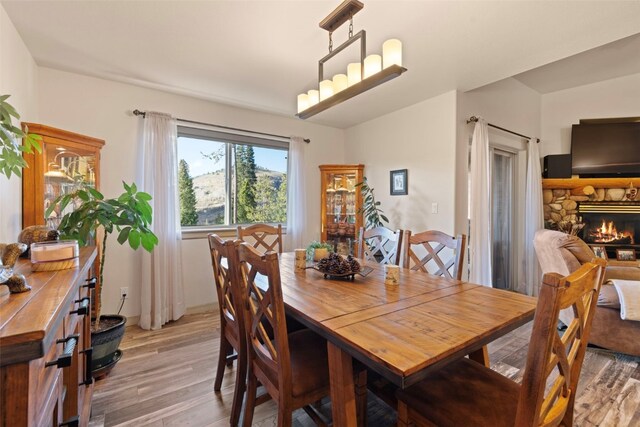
x=51 y=412
x=45 y=377
x=43 y=371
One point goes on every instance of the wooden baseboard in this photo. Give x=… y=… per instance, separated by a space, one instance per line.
x=134 y=320
x=202 y=308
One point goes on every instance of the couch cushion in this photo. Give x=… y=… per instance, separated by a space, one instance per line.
x=608 y=296
x=560 y=253
x=578 y=248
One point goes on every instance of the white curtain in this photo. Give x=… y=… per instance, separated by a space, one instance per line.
x=533 y=220
x=162 y=292
x=296 y=195
x=480 y=207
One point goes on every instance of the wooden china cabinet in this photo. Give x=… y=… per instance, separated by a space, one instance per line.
x=66 y=157
x=340 y=202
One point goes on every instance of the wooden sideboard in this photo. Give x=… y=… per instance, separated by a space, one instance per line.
x=45 y=348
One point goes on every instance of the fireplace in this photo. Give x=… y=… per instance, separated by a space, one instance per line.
x=611 y=224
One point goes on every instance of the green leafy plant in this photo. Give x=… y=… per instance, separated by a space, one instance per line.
x=316 y=245
x=130 y=215
x=14 y=141
x=373 y=215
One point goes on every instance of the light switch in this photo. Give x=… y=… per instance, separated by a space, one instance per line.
x=434 y=207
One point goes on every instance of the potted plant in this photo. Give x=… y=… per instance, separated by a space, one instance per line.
x=129 y=214
x=373 y=215
x=317 y=250
x=14 y=141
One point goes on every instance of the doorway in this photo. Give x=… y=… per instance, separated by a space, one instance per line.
x=503 y=207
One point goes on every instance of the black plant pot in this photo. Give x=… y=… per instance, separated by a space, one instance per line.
x=105 y=345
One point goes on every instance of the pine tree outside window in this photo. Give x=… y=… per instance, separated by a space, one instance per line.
x=226 y=179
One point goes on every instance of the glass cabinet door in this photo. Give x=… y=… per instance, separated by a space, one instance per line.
x=64 y=169
x=341 y=202
x=66 y=159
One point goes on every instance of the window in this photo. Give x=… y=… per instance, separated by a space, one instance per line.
x=226 y=178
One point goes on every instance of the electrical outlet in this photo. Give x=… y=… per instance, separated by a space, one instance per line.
x=434 y=207
x=124 y=292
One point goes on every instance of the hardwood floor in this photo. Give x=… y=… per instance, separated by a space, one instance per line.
x=165 y=378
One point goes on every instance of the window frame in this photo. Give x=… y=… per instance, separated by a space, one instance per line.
x=229 y=139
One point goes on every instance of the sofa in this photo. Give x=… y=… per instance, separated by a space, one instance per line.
x=563 y=254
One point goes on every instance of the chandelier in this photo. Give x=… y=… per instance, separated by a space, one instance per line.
x=361 y=76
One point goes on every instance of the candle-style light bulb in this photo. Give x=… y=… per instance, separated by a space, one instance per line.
x=340 y=82
x=372 y=65
x=303 y=102
x=392 y=53
x=326 y=89
x=354 y=73
x=314 y=97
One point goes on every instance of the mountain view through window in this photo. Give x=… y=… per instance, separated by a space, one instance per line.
x=225 y=183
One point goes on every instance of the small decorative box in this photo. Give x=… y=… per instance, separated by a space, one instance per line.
x=58 y=255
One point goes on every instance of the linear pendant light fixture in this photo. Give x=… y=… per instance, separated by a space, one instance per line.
x=361 y=76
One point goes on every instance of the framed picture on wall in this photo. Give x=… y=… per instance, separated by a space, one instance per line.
x=600 y=251
x=626 y=254
x=399 y=184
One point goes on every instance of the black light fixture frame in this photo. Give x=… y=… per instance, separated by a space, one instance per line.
x=362 y=36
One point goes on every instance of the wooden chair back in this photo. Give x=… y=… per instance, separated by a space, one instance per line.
x=264 y=237
x=553 y=359
x=433 y=242
x=268 y=346
x=379 y=244
x=228 y=288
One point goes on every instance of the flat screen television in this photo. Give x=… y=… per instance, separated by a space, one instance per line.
x=605 y=149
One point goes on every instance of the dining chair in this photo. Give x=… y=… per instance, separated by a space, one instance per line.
x=467 y=393
x=263 y=236
x=379 y=244
x=432 y=243
x=232 y=330
x=292 y=367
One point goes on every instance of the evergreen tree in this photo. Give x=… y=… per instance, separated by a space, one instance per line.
x=241 y=177
x=188 y=214
x=271 y=199
x=245 y=183
x=281 y=201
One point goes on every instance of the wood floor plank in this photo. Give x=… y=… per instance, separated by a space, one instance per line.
x=625 y=405
x=599 y=397
x=506 y=370
x=165 y=378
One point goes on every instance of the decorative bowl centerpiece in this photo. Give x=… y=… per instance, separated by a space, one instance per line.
x=336 y=266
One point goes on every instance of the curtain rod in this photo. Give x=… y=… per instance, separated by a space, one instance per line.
x=475 y=119
x=137 y=112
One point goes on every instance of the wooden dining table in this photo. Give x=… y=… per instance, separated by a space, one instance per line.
x=402 y=332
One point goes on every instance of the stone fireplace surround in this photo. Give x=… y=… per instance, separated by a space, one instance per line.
x=561 y=197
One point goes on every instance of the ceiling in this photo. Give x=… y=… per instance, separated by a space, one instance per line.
x=616 y=59
x=261 y=54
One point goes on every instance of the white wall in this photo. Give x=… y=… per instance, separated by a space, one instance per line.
x=431 y=139
x=102 y=109
x=422 y=139
x=18 y=78
x=610 y=98
x=508 y=104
